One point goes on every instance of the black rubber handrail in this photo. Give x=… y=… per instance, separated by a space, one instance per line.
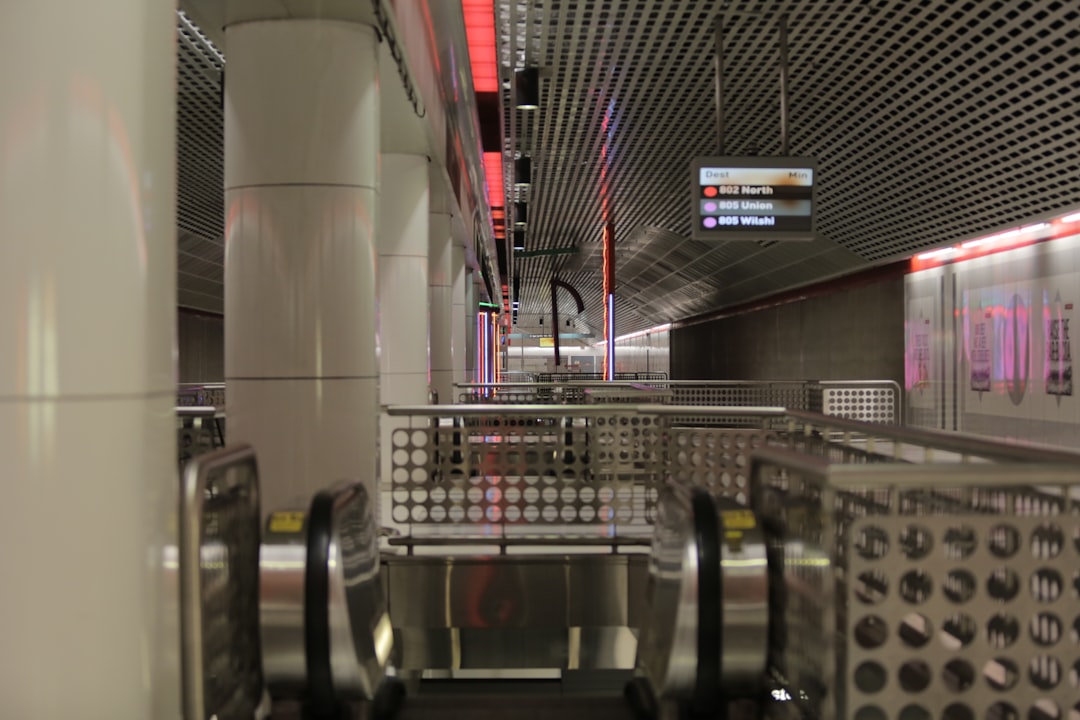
x=321 y=699
x=707 y=535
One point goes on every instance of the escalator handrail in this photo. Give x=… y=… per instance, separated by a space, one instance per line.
x=328 y=684
x=707 y=537
x=320 y=676
x=194 y=483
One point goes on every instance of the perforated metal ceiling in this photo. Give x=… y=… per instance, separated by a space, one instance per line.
x=200 y=212
x=931 y=121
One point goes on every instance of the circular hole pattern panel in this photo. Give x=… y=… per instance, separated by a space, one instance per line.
x=996 y=593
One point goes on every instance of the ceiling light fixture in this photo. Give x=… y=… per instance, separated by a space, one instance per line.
x=523 y=172
x=521 y=214
x=519 y=239
x=527 y=88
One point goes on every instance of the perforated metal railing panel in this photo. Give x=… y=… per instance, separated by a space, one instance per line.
x=717 y=459
x=942 y=591
x=794 y=395
x=201 y=395
x=866 y=400
x=932 y=121
x=869 y=404
x=525 y=472
x=537 y=468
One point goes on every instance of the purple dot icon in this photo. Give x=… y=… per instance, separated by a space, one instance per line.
x=710 y=222
x=710 y=207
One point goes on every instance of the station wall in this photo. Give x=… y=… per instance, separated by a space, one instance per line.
x=849 y=331
x=988 y=344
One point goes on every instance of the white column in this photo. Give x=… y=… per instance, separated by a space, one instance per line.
x=88 y=610
x=403 y=280
x=301 y=167
x=459 y=323
x=440 y=292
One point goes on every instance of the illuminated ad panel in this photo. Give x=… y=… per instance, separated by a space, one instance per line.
x=753 y=198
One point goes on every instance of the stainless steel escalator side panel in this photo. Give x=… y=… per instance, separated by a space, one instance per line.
x=667 y=649
x=282 y=560
x=544 y=611
x=744 y=611
x=361 y=636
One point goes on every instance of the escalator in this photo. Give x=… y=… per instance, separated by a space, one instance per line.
x=325 y=638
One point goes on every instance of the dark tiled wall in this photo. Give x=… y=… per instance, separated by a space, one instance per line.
x=201 y=344
x=856 y=333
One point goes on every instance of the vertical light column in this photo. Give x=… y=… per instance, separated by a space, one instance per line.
x=440 y=292
x=609 y=302
x=403 y=280
x=472 y=359
x=88 y=611
x=459 y=320
x=301 y=166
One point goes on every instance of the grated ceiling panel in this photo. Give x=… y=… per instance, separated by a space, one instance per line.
x=200 y=171
x=932 y=121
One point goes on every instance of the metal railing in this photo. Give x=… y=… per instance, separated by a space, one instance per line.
x=219 y=586
x=594 y=470
x=524 y=470
x=905 y=576
x=201 y=395
x=869 y=400
x=199 y=430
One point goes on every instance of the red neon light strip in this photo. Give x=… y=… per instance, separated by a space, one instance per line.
x=995 y=243
x=480 y=34
x=609 y=301
x=493 y=172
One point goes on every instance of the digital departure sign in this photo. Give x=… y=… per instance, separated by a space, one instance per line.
x=753 y=198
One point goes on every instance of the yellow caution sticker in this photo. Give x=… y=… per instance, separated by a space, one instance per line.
x=734 y=539
x=286 y=522
x=738 y=519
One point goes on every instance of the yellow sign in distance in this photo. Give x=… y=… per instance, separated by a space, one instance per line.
x=547 y=342
x=287 y=522
x=738 y=519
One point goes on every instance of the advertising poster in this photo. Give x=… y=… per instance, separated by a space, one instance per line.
x=923 y=381
x=1001 y=344
x=980 y=347
x=919 y=360
x=1057 y=363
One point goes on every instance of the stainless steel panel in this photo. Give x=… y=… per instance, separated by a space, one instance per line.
x=282 y=561
x=567 y=611
x=744 y=587
x=361 y=637
x=568 y=648
x=667 y=654
x=219 y=568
